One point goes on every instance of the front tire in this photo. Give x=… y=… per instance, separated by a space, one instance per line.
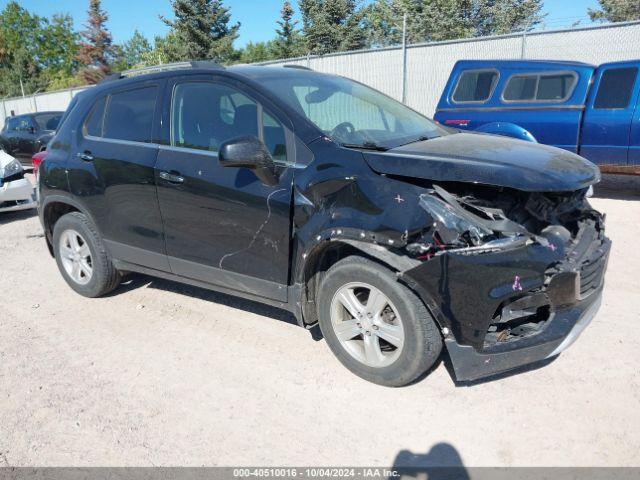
x=82 y=258
x=377 y=327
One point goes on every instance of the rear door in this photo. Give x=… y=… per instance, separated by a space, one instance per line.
x=222 y=225
x=606 y=130
x=112 y=170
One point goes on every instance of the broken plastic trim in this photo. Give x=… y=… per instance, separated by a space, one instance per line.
x=457 y=220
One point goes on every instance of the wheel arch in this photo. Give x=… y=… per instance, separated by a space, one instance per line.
x=55 y=207
x=318 y=260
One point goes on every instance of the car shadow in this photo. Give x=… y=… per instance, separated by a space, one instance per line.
x=134 y=281
x=441 y=462
x=618 y=187
x=8 y=217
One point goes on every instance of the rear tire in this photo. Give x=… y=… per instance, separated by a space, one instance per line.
x=377 y=327
x=82 y=258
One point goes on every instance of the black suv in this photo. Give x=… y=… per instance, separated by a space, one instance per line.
x=317 y=194
x=24 y=135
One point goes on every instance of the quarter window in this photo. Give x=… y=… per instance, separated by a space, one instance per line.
x=205 y=115
x=129 y=115
x=616 y=87
x=540 y=87
x=93 y=124
x=475 y=86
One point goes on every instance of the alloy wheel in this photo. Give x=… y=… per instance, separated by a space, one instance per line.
x=367 y=324
x=76 y=257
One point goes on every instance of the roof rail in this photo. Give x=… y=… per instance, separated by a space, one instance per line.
x=199 y=64
x=299 y=67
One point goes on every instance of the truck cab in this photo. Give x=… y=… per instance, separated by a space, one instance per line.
x=579 y=107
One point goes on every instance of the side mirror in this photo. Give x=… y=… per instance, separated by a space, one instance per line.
x=31 y=129
x=249 y=152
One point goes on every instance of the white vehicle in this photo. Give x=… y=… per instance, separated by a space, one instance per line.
x=16 y=192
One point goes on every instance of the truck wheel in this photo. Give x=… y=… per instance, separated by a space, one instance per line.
x=377 y=327
x=81 y=257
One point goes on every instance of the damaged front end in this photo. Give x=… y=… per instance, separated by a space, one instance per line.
x=512 y=277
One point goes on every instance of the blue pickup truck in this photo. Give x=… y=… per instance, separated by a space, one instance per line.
x=589 y=110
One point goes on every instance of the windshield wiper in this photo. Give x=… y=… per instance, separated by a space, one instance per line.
x=365 y=146
x=422 y=138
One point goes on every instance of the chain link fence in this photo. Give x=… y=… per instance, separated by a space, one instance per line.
x=420 y=73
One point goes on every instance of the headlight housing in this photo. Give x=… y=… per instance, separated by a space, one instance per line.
x=14 y=167
x=452 y=220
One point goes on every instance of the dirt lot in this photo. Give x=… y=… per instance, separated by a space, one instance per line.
x=164 y=374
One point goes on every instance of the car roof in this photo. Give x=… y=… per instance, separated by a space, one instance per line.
x=249 y=72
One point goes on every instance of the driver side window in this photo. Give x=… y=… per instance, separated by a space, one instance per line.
x=205 y=115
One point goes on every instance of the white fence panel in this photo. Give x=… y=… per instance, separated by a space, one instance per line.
x=603 y=44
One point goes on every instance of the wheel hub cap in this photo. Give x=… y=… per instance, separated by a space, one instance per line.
x=367 y=324
x=75 y=256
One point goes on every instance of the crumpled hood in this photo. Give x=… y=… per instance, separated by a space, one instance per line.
x=489 y=160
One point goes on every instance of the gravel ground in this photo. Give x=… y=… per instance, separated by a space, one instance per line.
x=164 y=374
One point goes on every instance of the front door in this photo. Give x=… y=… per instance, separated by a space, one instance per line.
x=222 y=225
x=606 y=128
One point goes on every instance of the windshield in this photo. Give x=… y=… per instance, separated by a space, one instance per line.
x=352 y=114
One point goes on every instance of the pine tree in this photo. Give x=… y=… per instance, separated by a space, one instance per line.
x=287 y=42
x=95 y=51
x=332 y=25
x=434 y=20
x=203 y=29
x=616 y=11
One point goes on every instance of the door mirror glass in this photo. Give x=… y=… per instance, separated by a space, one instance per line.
x=249 y=152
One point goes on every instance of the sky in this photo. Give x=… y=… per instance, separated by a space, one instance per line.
x=258 y=17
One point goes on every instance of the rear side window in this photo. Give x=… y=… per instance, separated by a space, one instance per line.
x=129 y=115
x=616 y=87
x=475 y=86
x=555 y=87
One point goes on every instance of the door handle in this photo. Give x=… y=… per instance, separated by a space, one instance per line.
x=171 y=178
x=86 y=156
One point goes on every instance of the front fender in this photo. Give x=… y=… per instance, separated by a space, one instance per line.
x=507 y=130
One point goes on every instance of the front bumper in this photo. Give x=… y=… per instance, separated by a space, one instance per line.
x=505 y=309
x=563 y=329
x=17 y=195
